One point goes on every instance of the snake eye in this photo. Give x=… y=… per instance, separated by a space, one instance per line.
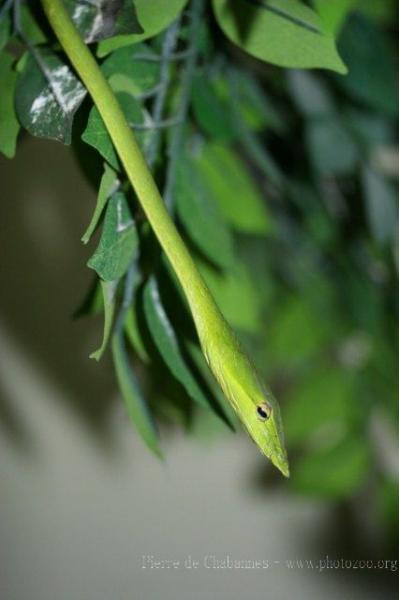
x=263 y=411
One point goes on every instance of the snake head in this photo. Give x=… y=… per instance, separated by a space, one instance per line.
x=265 y=427
x=252 y=401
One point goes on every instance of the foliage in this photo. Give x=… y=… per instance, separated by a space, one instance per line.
x=282 y=182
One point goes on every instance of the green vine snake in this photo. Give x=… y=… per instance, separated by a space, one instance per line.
x=239 y=380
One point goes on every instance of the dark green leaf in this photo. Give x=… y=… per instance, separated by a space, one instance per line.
x=133 y=334
x=257 y=109
x=96 y=134
x=100 y=19
x=167 y=343
x=210 y=111
x=153 y=16
x=136 y=405
x=30 y=25
x=284 y=32
x=47 y=97
x=118 y=243
x=381 y=205
x=201 y=216
x=109 y=183
x=109 y=291
x=238 y=197
x=373 y=72
x=9 y=126
x=5 y=30
x=334 y=472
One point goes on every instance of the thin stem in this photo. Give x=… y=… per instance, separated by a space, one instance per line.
x=185 y=93
x=168 y=46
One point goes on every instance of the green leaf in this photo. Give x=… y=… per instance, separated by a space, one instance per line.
x=236 y=294
x=96 y=134
x=109 y=183
x=154 y=17
x=257 y=109
x=133 y=334
x=47 y=97
x=383 y=10
x=323 y=400
x=334 y=472
x=382 y=208
x=30 y=25
x=372 y=67
x=98 y=20
x=210 y=111
x=331 y=148
x=5 y=30
x=201 y=216
x=136 y=75
x=118 y=242
x=136 y=405
x=333 y=12
x=296 y=333
x=238 y=197
x=167 y=343
x=9 y=126
x=283 y=32
x=108 y=289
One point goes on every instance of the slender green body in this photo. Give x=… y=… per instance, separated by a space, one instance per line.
x=228 y=362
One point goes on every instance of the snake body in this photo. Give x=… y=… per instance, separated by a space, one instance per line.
x=238 y=378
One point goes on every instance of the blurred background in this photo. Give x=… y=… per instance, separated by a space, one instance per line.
x=84 y=507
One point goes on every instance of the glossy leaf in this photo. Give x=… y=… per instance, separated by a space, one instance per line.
x=136 y=405
x=283 y=32
x=108 y=289
x=334 y=472
x=167 y=343
x=47 y=97
x=382 y=205
x=98 y=19
x=234 y=190
x=96 y=134
x=153 y=16
x=201 y=216
x=9 y=126
x=118 y=242
x=108 y=185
